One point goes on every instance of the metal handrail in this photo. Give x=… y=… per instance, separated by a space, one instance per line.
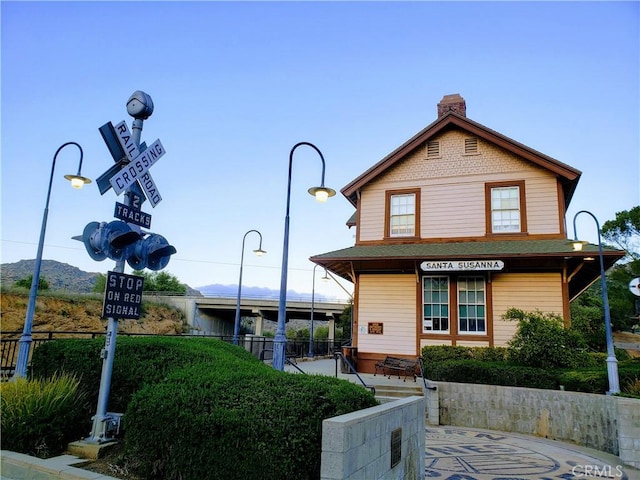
x=337 y=355
x=423 y=374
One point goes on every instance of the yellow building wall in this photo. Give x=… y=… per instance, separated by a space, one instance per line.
x=390 y=300
x=452 y=190
x=526 y=291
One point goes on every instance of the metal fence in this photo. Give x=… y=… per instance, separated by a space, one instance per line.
x=260 y=347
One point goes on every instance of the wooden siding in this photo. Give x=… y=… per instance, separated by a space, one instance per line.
x=452 y=186
x=468 y=343
x=526 y=291
x=390 y=300
x=429 y=342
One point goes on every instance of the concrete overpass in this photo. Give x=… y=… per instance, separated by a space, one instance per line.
x=216 y=315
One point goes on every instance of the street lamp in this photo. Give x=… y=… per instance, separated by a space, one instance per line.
x=321 y=193
x=313 y=298
x=259 y=252
x=612 y=362
x=24 y=344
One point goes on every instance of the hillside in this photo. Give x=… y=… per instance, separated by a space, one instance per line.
x=81 y=313
x=59 y=276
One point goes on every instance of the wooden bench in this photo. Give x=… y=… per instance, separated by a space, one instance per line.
x=398 y=366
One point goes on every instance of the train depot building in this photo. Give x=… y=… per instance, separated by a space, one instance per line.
x=453 y=228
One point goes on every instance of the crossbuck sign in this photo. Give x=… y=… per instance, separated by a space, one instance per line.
x=139 y=164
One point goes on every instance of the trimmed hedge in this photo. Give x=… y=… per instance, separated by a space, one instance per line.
x=596 y=380
x=438 y=353
x=492 y=373
x=489 y=365
x=235 y=424
x=138 y=360
x=201 y=408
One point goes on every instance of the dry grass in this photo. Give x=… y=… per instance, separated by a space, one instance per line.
x=82 y=314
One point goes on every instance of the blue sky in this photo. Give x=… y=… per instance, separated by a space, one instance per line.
x=237 y=84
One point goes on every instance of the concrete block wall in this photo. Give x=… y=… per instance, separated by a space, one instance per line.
x=606 y=423
x=629 y=431
x=357 y=446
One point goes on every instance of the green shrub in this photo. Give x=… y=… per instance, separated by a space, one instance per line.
x=542 y=341
x=492 y=373
x=235 y=423
x=40 y=417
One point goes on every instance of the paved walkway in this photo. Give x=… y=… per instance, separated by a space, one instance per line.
x=460 y=453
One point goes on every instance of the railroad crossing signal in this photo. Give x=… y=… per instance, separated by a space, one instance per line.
x=132 y=163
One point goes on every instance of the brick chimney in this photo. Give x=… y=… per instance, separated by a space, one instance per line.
x=454 y=103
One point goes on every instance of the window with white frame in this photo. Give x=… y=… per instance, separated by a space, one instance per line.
x=402 y=220
x=505 y=209
x=472 y=317
x=435 y=294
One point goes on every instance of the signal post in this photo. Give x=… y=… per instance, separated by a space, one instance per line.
x=124 y=240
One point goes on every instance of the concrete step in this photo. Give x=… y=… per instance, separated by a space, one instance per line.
x=398 y=391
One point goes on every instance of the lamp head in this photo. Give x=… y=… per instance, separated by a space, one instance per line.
x=259 y=252
x=77 y=181
x=322 y=193
x=578 y=245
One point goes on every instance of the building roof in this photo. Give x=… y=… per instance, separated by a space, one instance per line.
x=567 y=175
x=522 y=255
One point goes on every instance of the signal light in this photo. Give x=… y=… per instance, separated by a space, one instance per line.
x=152 y=252
x=111 y=240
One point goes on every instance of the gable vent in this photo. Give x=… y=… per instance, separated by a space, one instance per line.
x=471 y=145
x=433 y=149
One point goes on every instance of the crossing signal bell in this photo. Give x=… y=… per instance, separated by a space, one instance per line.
x=118 y=241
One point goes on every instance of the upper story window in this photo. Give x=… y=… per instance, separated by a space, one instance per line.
x=403 y=210
x=506 y=212
x=403 y=215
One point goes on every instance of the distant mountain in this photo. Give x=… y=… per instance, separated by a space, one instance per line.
x=219 y=290
x=59 y=276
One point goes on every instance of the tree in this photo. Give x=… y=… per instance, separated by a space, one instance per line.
x=344 y=322
x=101 y=283
x=586 y=311
x=624 y=231
x=26 y=283
x=161 y=282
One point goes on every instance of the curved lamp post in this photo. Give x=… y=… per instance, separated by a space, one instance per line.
x=321 y=193
x=313 y=299
x=259 y=252
x=24 y=344
x=612 y=362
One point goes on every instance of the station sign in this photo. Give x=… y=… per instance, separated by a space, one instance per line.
x=122 y=296
x=132 y=215
x=461 y=265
